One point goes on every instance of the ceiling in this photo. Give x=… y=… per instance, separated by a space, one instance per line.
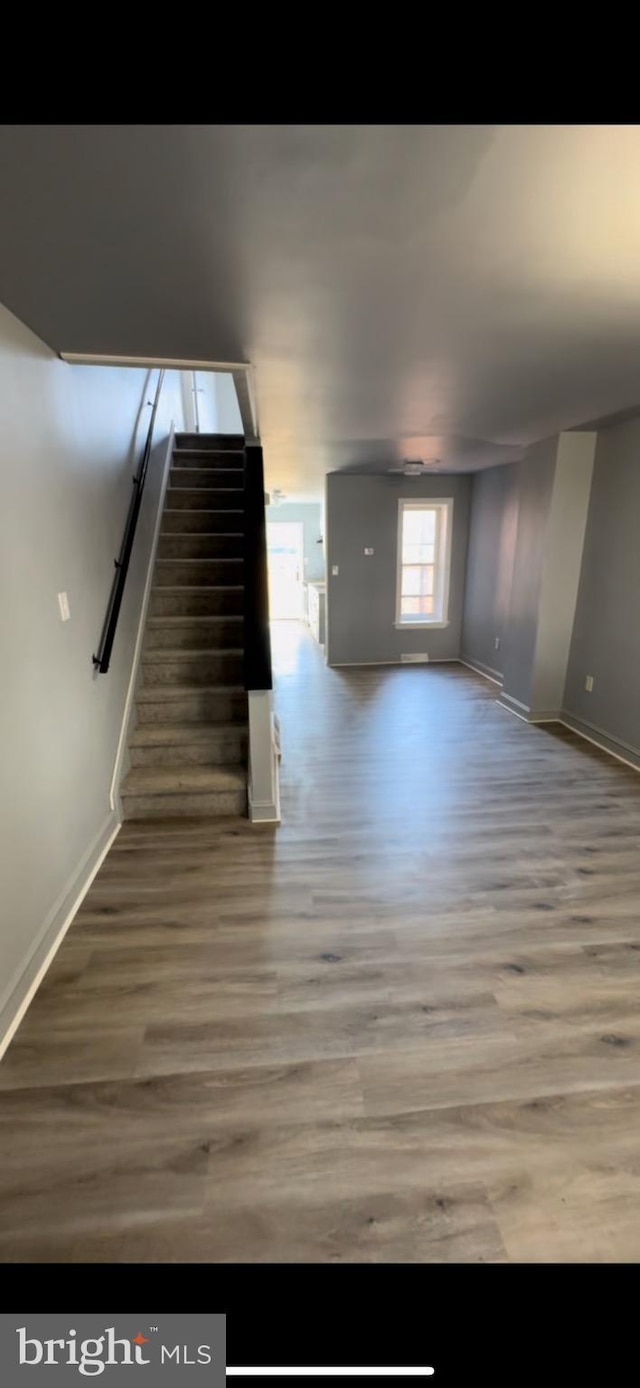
x=445 y=292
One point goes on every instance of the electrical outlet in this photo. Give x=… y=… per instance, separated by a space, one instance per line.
x=63 y=604
x=335 y=570
x=368 y=551
x=497 y=643
x=588 y=684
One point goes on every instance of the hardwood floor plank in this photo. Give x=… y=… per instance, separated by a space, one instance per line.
x=94 y=1188
x=486 y=1144
x=402 y=1026
x=280 y=1035
x=545 y=1062
x=572 y=1214
x=422 y=1227
x=76 y=1051
x=196 y=1105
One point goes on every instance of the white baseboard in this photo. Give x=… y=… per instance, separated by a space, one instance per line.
x=508 y=709
x=123 y=739
x=598 y=738
x=487 y=671
x=263 y=812
x=524 y=713
x=514 y=705
x=400 y=664
x=25 y=983
x=595 y=736
x=267 y=811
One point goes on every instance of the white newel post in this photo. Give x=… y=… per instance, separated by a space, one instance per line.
x=264 y=767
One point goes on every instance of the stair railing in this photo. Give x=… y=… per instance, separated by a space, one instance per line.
x=257 y=639
x=103 y=657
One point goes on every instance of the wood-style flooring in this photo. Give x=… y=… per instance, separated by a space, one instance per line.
x=404 y=1026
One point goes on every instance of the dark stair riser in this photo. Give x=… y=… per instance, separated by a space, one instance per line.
x=213 y=462
x=201 y=546
x=195 y=635
x=195 y=522
x=212 y=480
x=198 y=573
x=217 y=667
x=197 y=706
x=196 y=602
x=223 y=442
x=203 y=499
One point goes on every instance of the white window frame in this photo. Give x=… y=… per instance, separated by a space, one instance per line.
x=442 y=560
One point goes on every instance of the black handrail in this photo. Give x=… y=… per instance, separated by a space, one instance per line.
x=102 y=659
x=257 y=640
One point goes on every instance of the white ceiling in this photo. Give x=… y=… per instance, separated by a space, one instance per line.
x=450 y=292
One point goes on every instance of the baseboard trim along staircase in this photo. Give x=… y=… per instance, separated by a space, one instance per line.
x=188 y=751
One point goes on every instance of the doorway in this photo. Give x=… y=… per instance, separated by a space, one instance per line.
x=285 y=552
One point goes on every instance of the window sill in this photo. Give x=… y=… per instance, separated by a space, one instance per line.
x=419 y=626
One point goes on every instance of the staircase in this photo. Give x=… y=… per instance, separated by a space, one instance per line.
x=189 y=748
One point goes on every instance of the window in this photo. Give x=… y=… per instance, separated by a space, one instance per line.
x=424 y=558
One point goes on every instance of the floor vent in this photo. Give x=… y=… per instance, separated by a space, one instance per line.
x=420 y=659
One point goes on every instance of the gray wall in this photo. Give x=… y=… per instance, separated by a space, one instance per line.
x=564 y=544
x=228 y=418
x=218 y=408
x=70 y=438
x=362 y=511
x=525 y=545
x=310 y=513
x=536 y=475
x=492 y=537
x=606 y=634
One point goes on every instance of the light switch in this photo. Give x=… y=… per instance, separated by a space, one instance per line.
x=368 y=551
x=63 y=604
x=335 y=570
